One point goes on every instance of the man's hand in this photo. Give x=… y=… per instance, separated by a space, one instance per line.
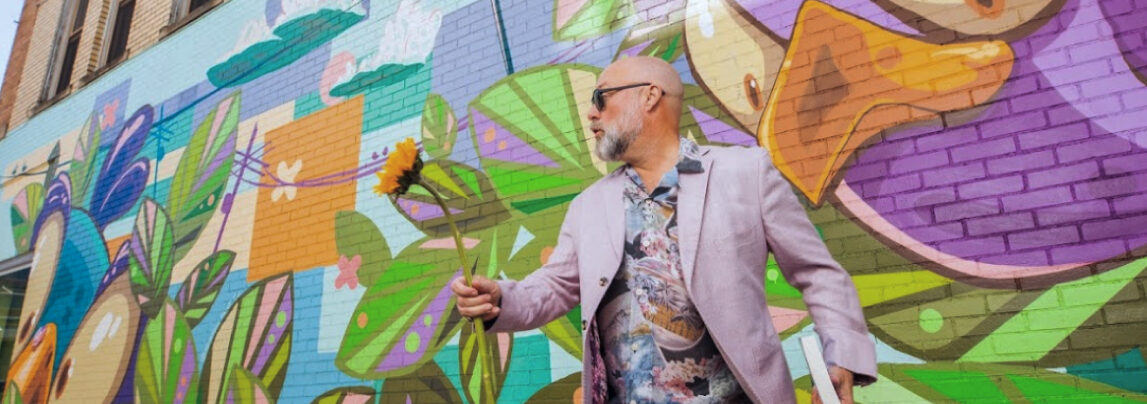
x=481 y=301
x=841 y=381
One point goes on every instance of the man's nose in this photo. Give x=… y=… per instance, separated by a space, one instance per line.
x=593 y=113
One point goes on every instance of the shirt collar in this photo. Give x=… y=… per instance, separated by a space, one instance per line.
x=688 y=162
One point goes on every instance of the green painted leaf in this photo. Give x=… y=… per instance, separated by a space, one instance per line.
x=425 y=385
x=357 y=235
x=439 y=127
x=166 y=368
x=12 y=395
x=467 y=192
x=82 y=168
x=255 y=336
x=245 y=387
x=659 y=38
x=202 y=173
x=25 y=209
x=500 y=346
x=406 y=316
x=341 y=395
x=566 y=333
x=150 y=259
x=563 y=390
x=964 y=382
x=201 y=287
x=591 y=18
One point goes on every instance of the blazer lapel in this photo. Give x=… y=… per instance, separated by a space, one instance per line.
x=690 y=209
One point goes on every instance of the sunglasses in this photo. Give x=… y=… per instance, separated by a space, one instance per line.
x=598 y=98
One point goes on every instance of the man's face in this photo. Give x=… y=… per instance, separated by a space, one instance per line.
x=616 y=127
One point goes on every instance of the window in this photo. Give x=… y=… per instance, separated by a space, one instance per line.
x=120 y=28
x=72 y=27
x=13 y=282
x=185 y=11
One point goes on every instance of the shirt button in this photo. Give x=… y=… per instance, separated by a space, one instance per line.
x=583 y=325
x=634 y=347
x=603 y=281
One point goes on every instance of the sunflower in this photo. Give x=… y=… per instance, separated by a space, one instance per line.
x=402 y=169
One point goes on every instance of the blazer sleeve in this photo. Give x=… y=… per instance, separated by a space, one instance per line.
x=548 y=292
x=827 y=288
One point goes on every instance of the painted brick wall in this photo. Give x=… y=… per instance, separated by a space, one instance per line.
x=210 y=231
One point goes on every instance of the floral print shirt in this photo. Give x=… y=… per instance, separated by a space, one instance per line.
x=654 y=344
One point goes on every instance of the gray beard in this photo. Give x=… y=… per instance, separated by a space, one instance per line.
x=617 y=139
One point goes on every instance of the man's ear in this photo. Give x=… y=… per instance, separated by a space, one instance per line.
x=653 y=95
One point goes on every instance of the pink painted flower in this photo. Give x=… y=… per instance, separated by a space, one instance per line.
x=348 y=272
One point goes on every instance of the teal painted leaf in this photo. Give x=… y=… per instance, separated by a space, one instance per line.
x=425 y=385
x=25 y=209
x=406 y=316
x=346 y=395
x=467 y=192
x=385 y=75
x=439 y=127
x=82 y=168
x=357 y=235
x=199 y=290
x=202 y=173
x=166 y=368
x=150 y=262
x=500 y=346
x=255 y=335
x=245 y=387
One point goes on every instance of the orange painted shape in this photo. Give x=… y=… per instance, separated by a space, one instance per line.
x=31 y=371
x=845 y=80
x=298 y=233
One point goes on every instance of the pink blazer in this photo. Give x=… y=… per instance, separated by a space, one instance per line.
x=729 y=218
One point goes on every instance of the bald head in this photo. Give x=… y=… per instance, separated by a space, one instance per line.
x=645 y=68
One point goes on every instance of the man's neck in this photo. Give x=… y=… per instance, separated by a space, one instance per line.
x=660 y=156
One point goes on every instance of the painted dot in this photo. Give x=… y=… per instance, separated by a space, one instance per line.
x=489 y=135
x=280 y=319
x=502 y=145
x=271 y=339
x=931 y=320
x=545 y=254
x=414 y=209
x=413 y=342
x=361 y=320
x=427 y=320
x=888 y=57
x=773 y=274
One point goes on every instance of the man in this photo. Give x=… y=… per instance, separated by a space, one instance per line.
x=666 y=256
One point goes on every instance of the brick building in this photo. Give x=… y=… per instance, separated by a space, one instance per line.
x=189 y=186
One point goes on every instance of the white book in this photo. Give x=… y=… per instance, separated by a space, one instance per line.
x=818 y=370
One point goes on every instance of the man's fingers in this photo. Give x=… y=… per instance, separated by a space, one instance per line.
x=484 y=285
x=473 y=301
x=481 y=310
x=815 y=396
x=459 y=287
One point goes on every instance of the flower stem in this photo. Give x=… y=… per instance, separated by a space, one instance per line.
x=487 y=361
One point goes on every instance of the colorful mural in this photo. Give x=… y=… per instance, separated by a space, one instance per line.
x=203 y=229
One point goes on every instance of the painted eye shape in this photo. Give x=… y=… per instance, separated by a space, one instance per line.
x=753 y=92
x=62 y=377
x=987 y=8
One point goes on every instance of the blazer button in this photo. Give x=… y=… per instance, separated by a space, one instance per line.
x=603 y=281
x=583 y=325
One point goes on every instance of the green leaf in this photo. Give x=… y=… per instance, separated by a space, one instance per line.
x=500 y=346
x=966 y=382
x=439 y=127
x=166 y=368
x=425 y=385
x=467 y=192
x=25 y=209
x=255 y=336
x=592 y=18
x=82 y=168
x=341 y=395
x=357 y=235
x=560 y=391
x=659 y=38
x=201 y=287
x=245 y=387
x=405 y=317
x=150 y=261
x=566 y=333
x=12 y=395
x=202 y=173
